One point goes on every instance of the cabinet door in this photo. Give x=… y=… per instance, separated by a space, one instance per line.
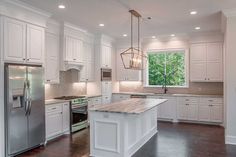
x=216 y=113
x=198 y=52
x=192 y=112
x=106 y=56
x=78 y=53
x=198 y=71
x=83 y=74
x=66 y=117
x=214 y=72
x=97 y=101
x=204 y=113
x=53 y=124
x=183 y=112
x=90 y=71
x=106 y=99
x=35 y=44
x=14 y=40
x=89 y=51
x=167 y=109
x=52 y=58
x=69 y=48
x=106 y=88
x=214 y=52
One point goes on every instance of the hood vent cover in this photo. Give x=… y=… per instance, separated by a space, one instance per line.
x=73 y=65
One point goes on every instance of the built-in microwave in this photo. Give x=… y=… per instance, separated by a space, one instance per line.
x=106 y=74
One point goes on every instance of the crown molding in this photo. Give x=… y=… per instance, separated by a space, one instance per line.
x=229 y=12
x=23 y=12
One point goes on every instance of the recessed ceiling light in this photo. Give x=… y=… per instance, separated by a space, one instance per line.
x=125 y=35
x=153 y=37
x=61 y=6
x=172 y=35
x=101 y=25
x=193 y=12
x=197 y=28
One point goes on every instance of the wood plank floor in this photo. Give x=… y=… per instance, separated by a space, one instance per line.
x=173 y=140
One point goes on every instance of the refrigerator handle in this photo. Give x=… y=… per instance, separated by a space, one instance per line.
x=25 y=97
x=29 y=98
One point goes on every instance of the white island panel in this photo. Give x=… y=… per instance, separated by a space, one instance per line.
x=120 y=134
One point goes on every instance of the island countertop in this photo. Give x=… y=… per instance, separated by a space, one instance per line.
x=130 y=106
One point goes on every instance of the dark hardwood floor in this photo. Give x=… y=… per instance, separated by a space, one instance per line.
x=173 y=140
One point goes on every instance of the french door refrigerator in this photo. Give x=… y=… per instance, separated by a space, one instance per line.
x=24 y=108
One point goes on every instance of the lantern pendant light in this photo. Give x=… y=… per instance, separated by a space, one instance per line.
x=133 y=58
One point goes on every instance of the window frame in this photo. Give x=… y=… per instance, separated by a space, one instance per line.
x=186 y=57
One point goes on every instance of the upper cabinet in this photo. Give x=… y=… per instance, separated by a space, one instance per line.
x=73 y=49
x=125 y=74
x=23 y=43
x=106 y=56
x=206 y=62
x=52 y=56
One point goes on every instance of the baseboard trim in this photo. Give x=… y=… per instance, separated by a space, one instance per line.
x=230 y=140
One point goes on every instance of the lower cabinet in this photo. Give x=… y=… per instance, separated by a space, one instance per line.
x=57 y=120
x=166 y=110
x=201 y=109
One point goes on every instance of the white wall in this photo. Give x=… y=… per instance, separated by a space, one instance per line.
x=230 y=80
x=2 y=140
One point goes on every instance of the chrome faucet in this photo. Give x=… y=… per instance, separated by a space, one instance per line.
x=164 y=85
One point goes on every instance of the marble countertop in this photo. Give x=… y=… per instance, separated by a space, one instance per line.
x=130 y=106
x=168 y=94
x=55 y=101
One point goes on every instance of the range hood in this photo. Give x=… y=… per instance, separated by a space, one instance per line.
x=68 y=65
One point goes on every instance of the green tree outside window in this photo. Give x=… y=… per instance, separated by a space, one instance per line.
x=169 y=63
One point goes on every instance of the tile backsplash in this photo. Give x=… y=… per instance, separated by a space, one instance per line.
x=65 y=88
x=194 y=88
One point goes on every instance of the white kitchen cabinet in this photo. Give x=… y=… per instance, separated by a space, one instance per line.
x=87 y=73
x=123 y=74
x=66 y=117
x=119 y=97
x=106 y=56
x=23 y=42
x=54 y=125
x=73 y=49
x=106 y=92
x=52 y=58
x=35 y=44
x=57 y=120
x=188 y=108
x=206 y=62
x=93 y=102
x=211 y=110
x=166 y=110
x=14 y=40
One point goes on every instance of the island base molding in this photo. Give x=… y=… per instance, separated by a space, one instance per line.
x=120 y=134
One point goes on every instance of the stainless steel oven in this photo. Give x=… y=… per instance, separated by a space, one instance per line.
x=106 y=74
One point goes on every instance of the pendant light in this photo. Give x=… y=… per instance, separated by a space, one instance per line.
x=133 y=58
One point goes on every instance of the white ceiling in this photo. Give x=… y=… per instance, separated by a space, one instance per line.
x=168 y=16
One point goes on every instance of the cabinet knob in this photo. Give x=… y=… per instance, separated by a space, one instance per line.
x=205 y=79
x=208 y=79
x=187 y=104
x=48 y=80
x=28 y=59
x=23 y=59
x=74 y=59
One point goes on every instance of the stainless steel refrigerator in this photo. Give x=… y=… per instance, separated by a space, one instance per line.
x=24 y=108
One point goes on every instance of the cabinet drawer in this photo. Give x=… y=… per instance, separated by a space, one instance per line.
x=54 y=108
x=211 y=101
x=189 y=100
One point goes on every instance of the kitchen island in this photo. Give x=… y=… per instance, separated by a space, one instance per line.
x=120 y=129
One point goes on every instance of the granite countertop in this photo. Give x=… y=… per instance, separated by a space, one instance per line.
x=55 y=101
x=130 y=106
x=168 y=94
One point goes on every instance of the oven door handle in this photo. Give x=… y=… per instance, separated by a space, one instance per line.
x=81 y=112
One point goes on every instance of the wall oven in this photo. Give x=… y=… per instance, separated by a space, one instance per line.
x=106 y=74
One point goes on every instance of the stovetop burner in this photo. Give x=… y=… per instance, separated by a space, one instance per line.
x=69 y=97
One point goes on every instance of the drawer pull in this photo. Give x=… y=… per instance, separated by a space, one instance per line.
x=54 y=108
x=210 y=100
x=187 y=99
